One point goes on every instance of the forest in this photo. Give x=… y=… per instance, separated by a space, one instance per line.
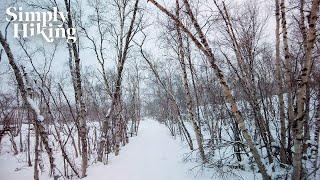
x=159 y=89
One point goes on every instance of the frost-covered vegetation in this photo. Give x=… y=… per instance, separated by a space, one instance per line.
x=236 y=83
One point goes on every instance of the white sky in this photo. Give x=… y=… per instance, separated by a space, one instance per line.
x=59 y=65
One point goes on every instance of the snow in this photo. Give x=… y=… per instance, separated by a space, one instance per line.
x=36 y=109
x=152 y=155
x=11 y=170
x=34 y=106
x=40 y=118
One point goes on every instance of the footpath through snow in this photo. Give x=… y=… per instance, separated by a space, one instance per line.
x=152 y=155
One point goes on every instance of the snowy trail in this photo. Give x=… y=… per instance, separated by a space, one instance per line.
x=152 y=155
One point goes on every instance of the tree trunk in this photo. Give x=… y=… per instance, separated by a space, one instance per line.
x=36 y=156
x=204 y=47
x=298 y=122
x=28 y=101
x=181 y=56
x=283 y=156
x=81 y=120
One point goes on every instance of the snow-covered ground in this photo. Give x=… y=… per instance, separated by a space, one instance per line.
x=152 y=155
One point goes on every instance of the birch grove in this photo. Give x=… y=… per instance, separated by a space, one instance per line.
x=236 y=83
